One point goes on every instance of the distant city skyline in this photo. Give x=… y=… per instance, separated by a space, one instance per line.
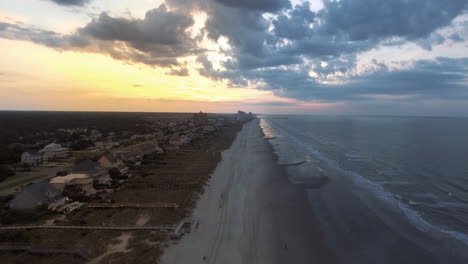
x=362 y=57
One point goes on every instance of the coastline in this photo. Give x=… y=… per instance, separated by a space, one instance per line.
x=251 y=213
x=182 y=173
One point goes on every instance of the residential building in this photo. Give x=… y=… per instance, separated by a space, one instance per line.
x=52 y=151
x=32 y=157
x=84 y=181
x=35 y=195
x=112 y=161
x=105 y=145
x=92 y=169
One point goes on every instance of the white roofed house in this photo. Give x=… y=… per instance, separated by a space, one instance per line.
x=53 y=151
x=32 y=157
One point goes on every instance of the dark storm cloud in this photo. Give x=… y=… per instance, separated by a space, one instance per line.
x=366 y=19
x=179 y=72
x=158 y=39
x=278 y=51
x=297 y=25
x=259 y=5
x=456 y=38
x=442 y=78
x=347 y=26
x=271 y=52
x=71 y=2
x=20 y=32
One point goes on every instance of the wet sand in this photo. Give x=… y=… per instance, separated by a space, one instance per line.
x=250 y=213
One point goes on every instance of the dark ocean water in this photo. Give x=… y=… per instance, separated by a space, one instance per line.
x=385 y=189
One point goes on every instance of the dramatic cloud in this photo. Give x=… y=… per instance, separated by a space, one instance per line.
x=441 y=78
x=278 y=54
x=297 y=25
x=71 y=2
x=158 y=39
x=20 y=32
x=259 y=5
x=291 y=50
x=377 y=19
x=179 y=72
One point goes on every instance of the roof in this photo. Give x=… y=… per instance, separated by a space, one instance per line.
x=87 y=167
x=69 y=177
x=31 y=152
x=33 y=195
x=111 y=158
x=174 y=138
x=53 y=145
x=147 y=148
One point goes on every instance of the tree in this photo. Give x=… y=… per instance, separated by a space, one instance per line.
x=115 y=174
x=61 y=173
x=5 y=172
x=81 y=144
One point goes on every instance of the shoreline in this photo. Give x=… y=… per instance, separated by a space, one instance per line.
x=251 y=213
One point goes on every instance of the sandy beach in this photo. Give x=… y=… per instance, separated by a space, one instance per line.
x=250 y=213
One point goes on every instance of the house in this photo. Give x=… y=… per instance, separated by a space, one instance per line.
x=175 y=141
x=148 y=148
x=81 y=180
x=208 y=129
x=94 y=135
x=52 y=151
x=105 y=145
x=108 y=161
x=35 y=195
x=112 y=161
x=32 y=157
x=92 y=169
x=130 y=156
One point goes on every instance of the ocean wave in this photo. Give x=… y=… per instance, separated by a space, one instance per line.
x=362 y=182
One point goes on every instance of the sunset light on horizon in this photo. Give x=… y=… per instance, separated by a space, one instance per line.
x=290 y=57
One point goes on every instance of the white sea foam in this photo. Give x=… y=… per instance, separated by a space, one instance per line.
x=362 y=183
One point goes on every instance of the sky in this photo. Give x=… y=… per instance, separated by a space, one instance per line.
x=365 y=57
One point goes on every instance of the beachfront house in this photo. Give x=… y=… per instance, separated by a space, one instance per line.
x=53 y=151
x=32 y=157
x=110 y=161
x=83 y=181
x=35 y=195
x=92 y=169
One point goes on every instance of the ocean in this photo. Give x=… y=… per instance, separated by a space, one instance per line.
x=385 y=189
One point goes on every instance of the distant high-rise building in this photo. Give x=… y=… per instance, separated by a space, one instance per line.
x=242 y=116
x=200 y=118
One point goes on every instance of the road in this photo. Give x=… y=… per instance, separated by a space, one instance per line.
x=121 y=228
x=36 y=175
x=250 y=213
